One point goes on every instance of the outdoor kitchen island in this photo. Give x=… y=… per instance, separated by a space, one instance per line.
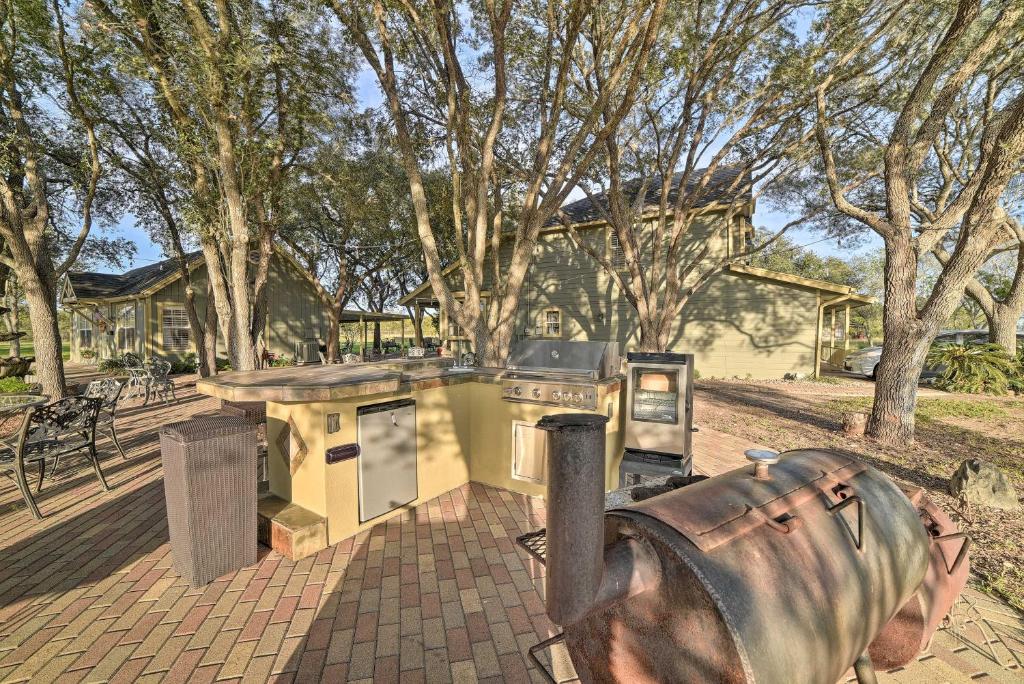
x=462 y=430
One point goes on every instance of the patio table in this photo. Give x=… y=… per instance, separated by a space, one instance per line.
x=14 y=405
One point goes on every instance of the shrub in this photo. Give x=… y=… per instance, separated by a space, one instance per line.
x=972 y=368
x=1017 y=379
x=87 y=353
x=282 y=361
x=111 y=366
x=189 y=363
x=223 y=365
x=14 y=386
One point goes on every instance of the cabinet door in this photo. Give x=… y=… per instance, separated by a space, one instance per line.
x=529 y=453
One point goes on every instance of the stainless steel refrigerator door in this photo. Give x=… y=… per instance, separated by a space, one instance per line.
x=387 y=459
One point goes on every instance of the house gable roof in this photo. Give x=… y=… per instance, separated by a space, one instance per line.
x=720 y=189
x=87 y=285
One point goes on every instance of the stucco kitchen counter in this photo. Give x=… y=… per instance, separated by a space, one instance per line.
x=464 y=430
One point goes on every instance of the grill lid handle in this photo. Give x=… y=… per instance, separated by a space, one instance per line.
x=762 y=458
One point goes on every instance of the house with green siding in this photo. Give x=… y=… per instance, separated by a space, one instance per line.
x=143 y=311
x=744 y=321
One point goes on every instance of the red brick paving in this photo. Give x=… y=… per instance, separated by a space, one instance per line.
x=439 y=594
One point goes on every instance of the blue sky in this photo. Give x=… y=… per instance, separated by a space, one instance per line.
x=369 y=95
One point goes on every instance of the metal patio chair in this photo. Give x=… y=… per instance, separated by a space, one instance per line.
x=108 y=391
x=138 y=377
x=63 y=428
x=160 y=382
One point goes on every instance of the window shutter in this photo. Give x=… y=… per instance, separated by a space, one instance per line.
x=617 y=257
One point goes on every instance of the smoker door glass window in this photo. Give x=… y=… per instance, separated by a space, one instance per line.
x=655 y=394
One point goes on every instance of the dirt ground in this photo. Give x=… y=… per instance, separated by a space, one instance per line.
x=950 y=429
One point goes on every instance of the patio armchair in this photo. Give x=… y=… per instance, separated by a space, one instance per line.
x=108 y=391
x=138 y=377
x=62 y=428
x=160 y=382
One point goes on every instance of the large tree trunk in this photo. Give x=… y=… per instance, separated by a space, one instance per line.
x=209 y=349
x=416 y=314
x=49 y=355
x=333 y=337
x=1002 y=328
x=198 y=334
x=907 y=340
x=11 y=317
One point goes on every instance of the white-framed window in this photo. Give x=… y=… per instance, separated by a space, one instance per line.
x=456 y=331
x=126 y=327
x=177 y=334
x=552 y=323
x=83 y=329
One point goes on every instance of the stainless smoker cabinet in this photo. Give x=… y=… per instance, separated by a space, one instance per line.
x=387 y=457
x=659 y=414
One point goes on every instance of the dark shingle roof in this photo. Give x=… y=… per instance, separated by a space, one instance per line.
x=109 y=285
x=719 y=188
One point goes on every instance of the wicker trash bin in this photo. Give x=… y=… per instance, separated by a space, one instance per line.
x=210 y=489
x=254 y=412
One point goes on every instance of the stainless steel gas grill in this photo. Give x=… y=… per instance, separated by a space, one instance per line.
x=558 y=373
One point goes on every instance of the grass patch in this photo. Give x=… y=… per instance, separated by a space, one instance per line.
x=935 y=409
x=28 y=350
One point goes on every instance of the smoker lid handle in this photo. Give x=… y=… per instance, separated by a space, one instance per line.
x=764 y=456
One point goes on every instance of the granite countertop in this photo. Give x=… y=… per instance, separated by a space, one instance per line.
x=337 y=381
x=341 y=381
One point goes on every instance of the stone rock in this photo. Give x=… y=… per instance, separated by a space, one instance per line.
x=980 y=482
x=855 y=423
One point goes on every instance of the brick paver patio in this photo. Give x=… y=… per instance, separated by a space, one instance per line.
x=441 y=594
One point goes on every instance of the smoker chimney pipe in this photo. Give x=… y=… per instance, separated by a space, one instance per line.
x=575 y=510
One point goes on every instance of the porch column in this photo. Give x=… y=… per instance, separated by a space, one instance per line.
x=401 y=344
x=832 y=338
x=846 y=330
x=362 y=322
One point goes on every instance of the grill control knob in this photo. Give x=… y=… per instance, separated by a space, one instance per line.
x=577 y=397
x=556 y=395
x=517 y=390
x=536 y=393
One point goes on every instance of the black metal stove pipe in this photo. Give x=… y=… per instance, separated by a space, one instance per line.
x=575 y=510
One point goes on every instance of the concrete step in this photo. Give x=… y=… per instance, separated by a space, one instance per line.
x=291 y=530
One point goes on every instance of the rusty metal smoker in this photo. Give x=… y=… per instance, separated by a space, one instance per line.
x=784 y=572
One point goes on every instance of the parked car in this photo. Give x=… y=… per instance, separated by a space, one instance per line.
x=865 y=361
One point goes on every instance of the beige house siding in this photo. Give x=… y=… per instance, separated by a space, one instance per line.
x=295 y=314
x=736 y=325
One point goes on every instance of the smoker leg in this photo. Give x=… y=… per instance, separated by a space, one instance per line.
x=536 y=648
x=864 y=670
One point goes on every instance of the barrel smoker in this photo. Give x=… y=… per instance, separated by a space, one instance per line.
x=784 y=572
